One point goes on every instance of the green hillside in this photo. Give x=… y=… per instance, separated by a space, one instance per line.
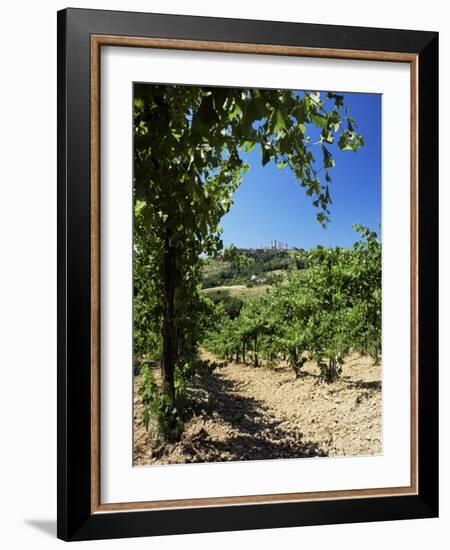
x=261 y=267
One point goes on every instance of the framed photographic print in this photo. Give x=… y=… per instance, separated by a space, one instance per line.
x=247 y=253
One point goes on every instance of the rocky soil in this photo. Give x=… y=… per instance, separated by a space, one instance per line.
x=265 y=413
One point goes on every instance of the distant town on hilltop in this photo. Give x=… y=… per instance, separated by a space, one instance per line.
x=273 y=245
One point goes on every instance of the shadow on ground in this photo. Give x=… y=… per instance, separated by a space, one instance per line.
x=250 y=433
x=362 y=384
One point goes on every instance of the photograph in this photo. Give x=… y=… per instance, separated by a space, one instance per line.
x=247 y=267
x=225 y=275
x=257 y=274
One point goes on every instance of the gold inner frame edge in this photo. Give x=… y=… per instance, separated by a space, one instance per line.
x=97 y=41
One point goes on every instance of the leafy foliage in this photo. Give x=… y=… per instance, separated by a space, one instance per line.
x=171 y=413
x=320 y=317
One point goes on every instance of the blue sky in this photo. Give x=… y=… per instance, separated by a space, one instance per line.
x=270 y=204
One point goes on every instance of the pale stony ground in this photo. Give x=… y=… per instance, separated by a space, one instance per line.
x=263 y=413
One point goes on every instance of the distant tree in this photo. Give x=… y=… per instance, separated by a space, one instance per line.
x=232 y=306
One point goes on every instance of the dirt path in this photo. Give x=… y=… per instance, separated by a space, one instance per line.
x=266 y=413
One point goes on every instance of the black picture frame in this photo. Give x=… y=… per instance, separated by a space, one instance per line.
x=75 y=518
